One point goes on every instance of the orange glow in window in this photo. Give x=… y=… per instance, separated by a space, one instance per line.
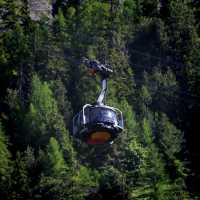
x=99 y=137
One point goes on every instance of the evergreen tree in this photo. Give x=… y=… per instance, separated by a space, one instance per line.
x=55 y=181
x=44 y=116
x=5 y=164
x=55 y=158
x=153 y=48
x=153 y=179
x=20 y=180
x=60 y=180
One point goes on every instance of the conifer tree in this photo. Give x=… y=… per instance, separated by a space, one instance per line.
x=155 y=58
x=55 y=158
x=20 y=188
x=5 y=164
x=61 y=180
x=154 y=181
x=45 y=118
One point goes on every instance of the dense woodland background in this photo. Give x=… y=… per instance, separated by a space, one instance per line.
x=154 y=48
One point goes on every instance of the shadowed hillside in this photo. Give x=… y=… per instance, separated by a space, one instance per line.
x=153 y=48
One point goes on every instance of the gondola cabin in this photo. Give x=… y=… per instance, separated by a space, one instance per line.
x=98 y=124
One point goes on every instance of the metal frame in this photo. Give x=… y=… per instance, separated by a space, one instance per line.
x=103 y=91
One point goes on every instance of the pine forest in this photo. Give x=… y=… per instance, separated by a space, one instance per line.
x=153 y=47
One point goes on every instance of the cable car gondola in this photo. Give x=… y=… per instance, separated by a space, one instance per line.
x=98 y=123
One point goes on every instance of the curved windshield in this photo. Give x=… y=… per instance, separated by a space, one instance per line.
x=100 y=114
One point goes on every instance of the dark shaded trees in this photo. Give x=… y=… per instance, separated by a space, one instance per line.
x=153 y=47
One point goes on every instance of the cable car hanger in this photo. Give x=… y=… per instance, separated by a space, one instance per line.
x=95 y=67
x=98 y=123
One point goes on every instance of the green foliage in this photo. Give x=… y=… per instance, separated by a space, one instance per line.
x=5 y=155
x=55 y=176
x=55 y=158
x=155 y=58
x=61 y=180
x=151 y=171
x=43 y=119
x=167 y=132
x=5 y=164
x=20 y=179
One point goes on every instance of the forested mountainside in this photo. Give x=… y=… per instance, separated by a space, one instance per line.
x=154 y=49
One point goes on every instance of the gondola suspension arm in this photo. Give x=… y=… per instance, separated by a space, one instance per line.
x=102 y=95
x=97 y=67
